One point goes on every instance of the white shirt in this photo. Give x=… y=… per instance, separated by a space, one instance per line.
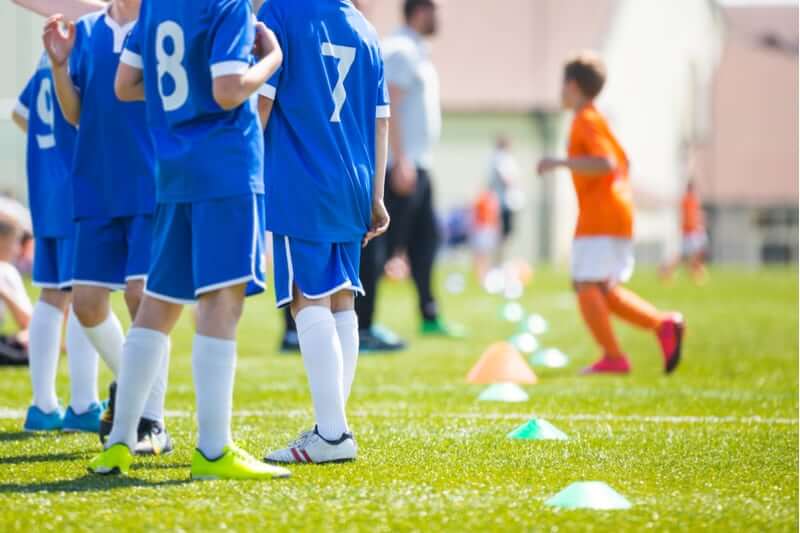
x=12 y=284
x=408 y=66
x=502 y=166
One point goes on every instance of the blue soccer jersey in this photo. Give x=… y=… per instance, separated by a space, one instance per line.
x=114 y=168
x=203 y=151
x=320 y=140
x=50 y=145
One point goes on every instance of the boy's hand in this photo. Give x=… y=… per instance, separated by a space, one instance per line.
x=380 y=222
x=549 y=164
x=266 y=41
x=403 y=179
x=58 y=43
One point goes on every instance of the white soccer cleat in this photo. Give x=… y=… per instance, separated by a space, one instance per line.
x=310 y=447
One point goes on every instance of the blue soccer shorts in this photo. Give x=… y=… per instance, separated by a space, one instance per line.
x=53 y=262
x=109 y=252
x=318 y=269
x=205 y=246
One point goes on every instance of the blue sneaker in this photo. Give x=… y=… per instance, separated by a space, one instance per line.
x=38 y=420
x=88 y=422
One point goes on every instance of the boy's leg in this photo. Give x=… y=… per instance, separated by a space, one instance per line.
x=214 y=366
x=633 y=309
x=102 y=327
x=595 y=313
x=343 y=308
x=322 y=357
x=143 y=353
x=44 y=347
x=154 y=407
x=82 y=359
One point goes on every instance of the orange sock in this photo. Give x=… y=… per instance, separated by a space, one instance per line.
x=594 y=309
x=631 y=308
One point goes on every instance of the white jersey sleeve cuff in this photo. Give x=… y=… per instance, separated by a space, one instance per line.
x=228 y=68
x=131 y=59
x=22 y=110
x=383 y=111
x=268 y=91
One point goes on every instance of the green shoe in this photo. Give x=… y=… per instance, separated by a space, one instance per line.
x=235 y=464
x=116 y=459
x=438 y=328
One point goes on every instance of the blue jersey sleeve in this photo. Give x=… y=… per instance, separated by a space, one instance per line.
x=132 y=53
x=269 y=16
x=25 y=100
x=232 y=38
x=384 y=109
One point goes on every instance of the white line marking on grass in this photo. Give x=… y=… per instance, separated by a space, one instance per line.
x=15 y=414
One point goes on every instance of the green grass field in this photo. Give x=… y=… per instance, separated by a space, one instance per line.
x=714 y=447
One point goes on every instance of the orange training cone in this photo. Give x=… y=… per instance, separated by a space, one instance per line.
x=501 y=363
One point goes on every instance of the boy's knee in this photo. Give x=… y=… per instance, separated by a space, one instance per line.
x=134 y=291
x=55 y=298
x=91 y=306
x=220 y=311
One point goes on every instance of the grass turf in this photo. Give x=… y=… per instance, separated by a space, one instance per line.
x=432 y=457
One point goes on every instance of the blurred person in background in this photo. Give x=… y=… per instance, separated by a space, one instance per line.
x=414 y=131
x=503 y=173
x=14 y=300
x=485 y=232
x=695 y=239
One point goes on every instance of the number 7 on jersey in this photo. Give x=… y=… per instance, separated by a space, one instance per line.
x=346 y=56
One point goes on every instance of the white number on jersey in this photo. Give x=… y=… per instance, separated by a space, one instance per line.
x=44 y=108
x=172 y=64
x=346 y=56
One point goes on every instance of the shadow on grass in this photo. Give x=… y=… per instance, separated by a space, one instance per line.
x=87 y=483
x=43 y=458
x=13 y=436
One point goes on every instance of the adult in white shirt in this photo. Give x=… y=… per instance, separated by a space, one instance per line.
x=415 y=128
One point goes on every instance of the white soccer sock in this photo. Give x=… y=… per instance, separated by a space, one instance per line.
x=108 y=338
x=142 y=357
x=214 y=370
x=82 y=359
x=43 y=349
x=322 y=357
x=347 y=329
x=154 y=406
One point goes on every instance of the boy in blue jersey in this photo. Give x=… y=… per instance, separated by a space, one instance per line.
x=113 y=184
x=189 y=60
x=50 y=144
x=327 y=113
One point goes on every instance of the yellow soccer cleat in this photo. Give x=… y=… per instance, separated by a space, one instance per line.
x=235 y=464
x=115 y=459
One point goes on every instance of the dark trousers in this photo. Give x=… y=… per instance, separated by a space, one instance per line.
x=414 y=231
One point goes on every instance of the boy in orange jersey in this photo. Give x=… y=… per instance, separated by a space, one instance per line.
x=602 y=253
x=695 y=239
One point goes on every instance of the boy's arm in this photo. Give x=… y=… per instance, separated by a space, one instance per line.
x=231 y=91
x=129 y=83
x=592 y=166
x=380 y=216
x=20 y=121
x=264 y=110
x=59 y=46
x=71 y=9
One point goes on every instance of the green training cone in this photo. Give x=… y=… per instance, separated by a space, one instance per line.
x=537 y=429
x=589 y=495
x=503 y=392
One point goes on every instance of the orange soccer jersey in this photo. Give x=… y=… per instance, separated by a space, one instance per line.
x=486 y=212
x=692 y=214
x=605 y=205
